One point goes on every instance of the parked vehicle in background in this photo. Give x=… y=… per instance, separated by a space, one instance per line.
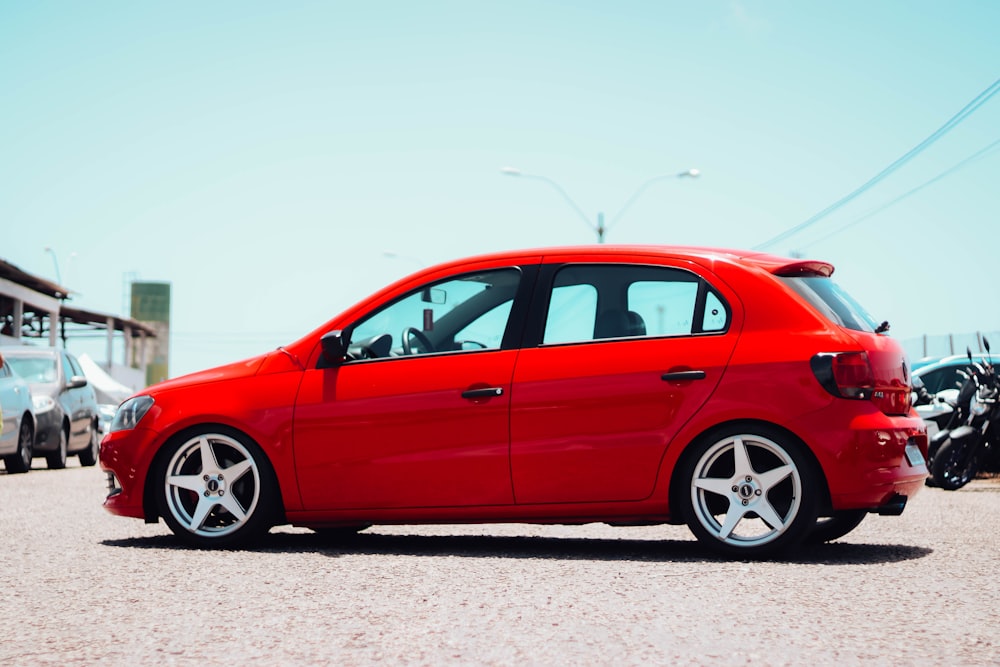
x=946 y=373
x=65 y=407
x=972 y=436
x=935 y=409
x=110 y=392
x=17 y=422
x=745 y=394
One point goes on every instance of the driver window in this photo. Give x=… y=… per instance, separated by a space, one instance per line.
x=466 y=313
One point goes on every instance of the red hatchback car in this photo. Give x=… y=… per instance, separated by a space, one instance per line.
x=742 y=393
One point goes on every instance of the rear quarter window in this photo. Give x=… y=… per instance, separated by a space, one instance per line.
x=833 y=302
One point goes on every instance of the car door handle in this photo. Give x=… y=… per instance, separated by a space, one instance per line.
x=681 y=376
x=486 y=392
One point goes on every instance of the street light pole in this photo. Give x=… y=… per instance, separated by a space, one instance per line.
x=55 y=262
x=600 y=228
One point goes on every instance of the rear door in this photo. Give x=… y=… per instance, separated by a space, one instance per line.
x=625 y=354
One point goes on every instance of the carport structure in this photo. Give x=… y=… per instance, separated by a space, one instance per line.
x=33 y=308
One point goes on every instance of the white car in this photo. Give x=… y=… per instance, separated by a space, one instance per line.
x=17 y=421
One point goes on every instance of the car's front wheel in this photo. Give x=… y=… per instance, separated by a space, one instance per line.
x=20 y=461
x=751 y=493
x=216 y=489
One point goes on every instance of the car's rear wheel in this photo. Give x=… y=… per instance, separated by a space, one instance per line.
x=836 y=525
x=88 y=457
x=751 y=492
x=20 y=461
x=216 y=489
x=57 y=460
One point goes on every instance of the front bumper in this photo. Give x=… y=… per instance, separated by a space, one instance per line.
x=47 y=427
x=127 y=456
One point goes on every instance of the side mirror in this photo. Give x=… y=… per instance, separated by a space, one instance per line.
x=76 y=382
x=334 y=348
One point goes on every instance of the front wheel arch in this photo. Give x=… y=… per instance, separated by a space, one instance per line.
x=150 y=505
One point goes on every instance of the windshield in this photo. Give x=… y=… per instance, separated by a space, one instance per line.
x=833 y=302
x=35 y=369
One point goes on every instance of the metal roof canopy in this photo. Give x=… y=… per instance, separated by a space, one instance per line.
x=73 y=322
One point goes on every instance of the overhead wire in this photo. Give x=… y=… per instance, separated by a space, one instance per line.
x=950 y=124
x=981 y=153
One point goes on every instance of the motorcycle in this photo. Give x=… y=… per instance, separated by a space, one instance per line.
x=972 y=434
x=935 y=409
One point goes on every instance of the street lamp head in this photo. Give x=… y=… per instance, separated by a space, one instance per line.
x=693 y=173
x=510 y=171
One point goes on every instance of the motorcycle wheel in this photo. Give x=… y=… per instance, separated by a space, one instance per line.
x=954 y=465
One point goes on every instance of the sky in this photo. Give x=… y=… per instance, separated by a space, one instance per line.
x=277 y=162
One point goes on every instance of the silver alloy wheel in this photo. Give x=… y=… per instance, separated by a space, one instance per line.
x=212 y=485
x=746 y=491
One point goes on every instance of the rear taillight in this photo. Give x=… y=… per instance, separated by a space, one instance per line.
x=844 y=374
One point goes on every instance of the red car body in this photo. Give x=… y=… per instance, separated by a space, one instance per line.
x=547 y=423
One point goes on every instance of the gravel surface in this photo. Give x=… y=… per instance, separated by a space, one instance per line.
x=83 y=587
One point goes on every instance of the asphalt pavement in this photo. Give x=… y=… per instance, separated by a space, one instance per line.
x=82 y=587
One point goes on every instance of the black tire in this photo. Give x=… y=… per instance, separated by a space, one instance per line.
x=953 y=467
x=339 y=533
x=229 y=500
x=750 y=492
x=88 y=457
x=57 y=460
x=20 y=461
x=829 y=528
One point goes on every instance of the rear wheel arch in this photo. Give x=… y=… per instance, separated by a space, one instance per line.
x=748 y=488
x=678 y=487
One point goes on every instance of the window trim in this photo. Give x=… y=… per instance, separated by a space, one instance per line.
x=534 y=323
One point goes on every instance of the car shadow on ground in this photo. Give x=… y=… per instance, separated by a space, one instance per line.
x=546 y=548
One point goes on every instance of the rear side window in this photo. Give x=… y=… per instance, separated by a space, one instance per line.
x=593 y=302
x=833 y=302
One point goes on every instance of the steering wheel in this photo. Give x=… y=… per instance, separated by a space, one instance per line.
x=421 y=337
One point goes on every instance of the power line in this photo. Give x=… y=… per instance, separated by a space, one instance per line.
x=947 y=172
x=951 y=123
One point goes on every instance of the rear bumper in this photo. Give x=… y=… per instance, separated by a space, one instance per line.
x=883 y=464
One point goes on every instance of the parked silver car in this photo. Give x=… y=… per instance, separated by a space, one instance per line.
x=17 y=423
x=65 y=406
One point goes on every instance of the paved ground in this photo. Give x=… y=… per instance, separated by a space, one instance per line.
x=82 y=587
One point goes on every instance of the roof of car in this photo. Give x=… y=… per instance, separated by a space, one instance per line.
x=952 y=360
x=775 y=264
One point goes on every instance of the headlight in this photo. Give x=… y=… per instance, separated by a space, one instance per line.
x=42 y=404
x=130 y=412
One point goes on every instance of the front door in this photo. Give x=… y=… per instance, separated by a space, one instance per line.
x=418 y=415
x=423 y=431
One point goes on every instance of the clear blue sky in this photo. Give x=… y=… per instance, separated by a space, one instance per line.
x=263 y=156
